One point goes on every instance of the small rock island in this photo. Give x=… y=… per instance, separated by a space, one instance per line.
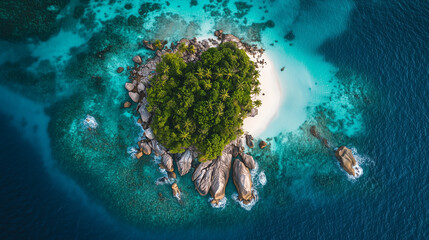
x=192 y=99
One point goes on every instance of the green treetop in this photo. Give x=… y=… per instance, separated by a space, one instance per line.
x=202 y=104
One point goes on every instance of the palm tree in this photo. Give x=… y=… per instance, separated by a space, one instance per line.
x=228 y=75
x=240 y=85
x=219 y=109
x=165 y=69
x=258 y=103
x=188 y=123
x=224 y=94
x=184 y=135
x=208 y=73
x=219 y=74
x=207 y=84
x=200 y=73
x=256 y=90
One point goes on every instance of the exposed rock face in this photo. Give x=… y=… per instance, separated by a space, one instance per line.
x=144 y=113
x=129 y=86
x=249 y=141
x=145 y=148
x=202 y=177
x=262 y=144
x=134 y=96
x=232 y=38
x=158 y=149
x=213 y=176
x=346 y=159
x=184 y=163
x=140 y=87
x=248 y=161
x=242 y=181
x=137 y=59
x=167 y=161
x=148 y=133
x=120 y=69
x=220 y=175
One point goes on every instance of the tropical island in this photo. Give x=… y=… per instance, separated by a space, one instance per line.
x=192 y=100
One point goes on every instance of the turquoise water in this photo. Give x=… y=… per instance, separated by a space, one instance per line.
x=49 y=87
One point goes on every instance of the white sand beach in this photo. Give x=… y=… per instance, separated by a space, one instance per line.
x=271 y=97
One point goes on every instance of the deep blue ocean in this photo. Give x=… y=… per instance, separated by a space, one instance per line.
x=369 y=58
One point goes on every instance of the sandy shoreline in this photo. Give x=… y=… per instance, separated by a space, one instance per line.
x=271 y=97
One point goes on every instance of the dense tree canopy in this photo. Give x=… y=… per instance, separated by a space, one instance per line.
x=202 y=104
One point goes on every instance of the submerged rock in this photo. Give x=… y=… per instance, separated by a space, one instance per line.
x=184 y=163
x=242 y=181
x=262 y=144
x=127 y=104
x=346 y=159
x=139 y=155
x=175 y=190
x=248 y=161
x=120 y=69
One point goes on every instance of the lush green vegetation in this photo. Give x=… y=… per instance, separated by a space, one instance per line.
x=202 y=104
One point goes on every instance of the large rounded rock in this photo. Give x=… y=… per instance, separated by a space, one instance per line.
x=242 y=181
x=148 y=133
x=202 y=177
x=137 y=59
x=145 y=148
x=134 y=96
x=346 y=159
x=220 y=176
x=248 y=161
x=129 y=86
x=184 y=162
x=127 y=104
x=167 y=161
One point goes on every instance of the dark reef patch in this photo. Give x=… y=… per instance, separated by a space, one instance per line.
x=26 y=19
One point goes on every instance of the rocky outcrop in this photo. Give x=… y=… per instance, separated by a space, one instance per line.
x=220 y=176
x=144 y=113
x=248 y=161
x=242 y=181
x=158 y=149
x=184 y=162
x=129 y=86
x=145 y=148
x=167 y=161
x=202 y=177
x=148 y=133
x=134 y=96
x=137 y=59
x=249 y=141
x=346 y=159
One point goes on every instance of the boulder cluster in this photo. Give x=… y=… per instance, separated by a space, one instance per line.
x=210 y=176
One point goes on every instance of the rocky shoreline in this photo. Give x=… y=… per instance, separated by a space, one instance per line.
x=210 y=176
